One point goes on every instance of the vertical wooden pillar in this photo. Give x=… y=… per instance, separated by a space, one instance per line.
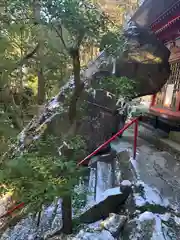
x=135 y=139
x=153 y=100
x=178 y=101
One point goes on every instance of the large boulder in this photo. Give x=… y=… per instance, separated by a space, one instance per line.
x=123 y=167
x=114 y=223
x=111 y=202
x=145 y=60
x=84 y=235
x=99 y=121
x=50 y=223
x=151 y=226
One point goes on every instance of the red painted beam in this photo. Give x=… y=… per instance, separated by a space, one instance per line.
x=173 y=20
x=166 y=113
x=173 y=9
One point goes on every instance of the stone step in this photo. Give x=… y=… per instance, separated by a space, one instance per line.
x=108 y=171
x=104 y=179
x=91 y=197
x=174 y=136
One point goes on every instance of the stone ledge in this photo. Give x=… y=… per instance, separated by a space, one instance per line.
x=161 y=143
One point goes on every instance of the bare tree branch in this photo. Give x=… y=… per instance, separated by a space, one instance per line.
x=24 y=59
x=79 y=40
x=60 y=35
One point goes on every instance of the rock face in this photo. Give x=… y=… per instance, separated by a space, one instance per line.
x=98 y=122
x=151 y=226
x=123 y=167
x=114 y=224
x=110 y=203
x=101 y=235
x=50 y=223
x=145 y=61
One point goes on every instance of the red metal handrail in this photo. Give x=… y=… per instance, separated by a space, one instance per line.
x=134 y=121
x=9 y=212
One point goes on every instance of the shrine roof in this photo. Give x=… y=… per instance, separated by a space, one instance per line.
x=152 y=12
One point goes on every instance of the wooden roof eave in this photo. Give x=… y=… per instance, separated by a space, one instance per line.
x=153 y=11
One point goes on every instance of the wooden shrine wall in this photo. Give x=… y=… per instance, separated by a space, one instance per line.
x=174 y=79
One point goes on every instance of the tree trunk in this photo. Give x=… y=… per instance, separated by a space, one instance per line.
x=66 y=203
x=41 y=87
x=76 y=66
x=15 y=113
x=67 y=214
x=41 y=80
x=79 y=86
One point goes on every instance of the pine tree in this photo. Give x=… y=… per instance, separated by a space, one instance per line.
x=41 y=176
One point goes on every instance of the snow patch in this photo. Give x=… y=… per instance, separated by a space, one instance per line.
x=103 y=235
x=140 y=183
x=91 y=187
x=135 y=165
x=177 y=220
x=139 y=201
x=112 y=191
x=22 y=136
x=149 y=195
x=146 y=216
x=158 y=234
x=126 y=183
x=159 y=230
x=53 y=104
x=165 y=217
x=95 y=226
x=109 y=192
x=154 y=197
x=94 y=93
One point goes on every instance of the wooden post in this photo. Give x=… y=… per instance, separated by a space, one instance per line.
x=135 y=138
x=67 y=214
x=177 y=101
x=153 y=100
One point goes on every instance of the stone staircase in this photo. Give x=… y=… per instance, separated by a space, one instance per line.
x=106 y=173
x=148 y=210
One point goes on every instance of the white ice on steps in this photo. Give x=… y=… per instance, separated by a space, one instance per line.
x=91 y=187
x=150 y=195
x=104 y=179
x=146 y=216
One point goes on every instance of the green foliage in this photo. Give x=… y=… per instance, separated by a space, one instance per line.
x=119 y=86
x=79 y=200
x=7 y=130
x=38 y=178
x=79 y=20
x=138 y=111
x=114 y=42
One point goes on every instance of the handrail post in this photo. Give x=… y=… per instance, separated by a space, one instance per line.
x=135 y=138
